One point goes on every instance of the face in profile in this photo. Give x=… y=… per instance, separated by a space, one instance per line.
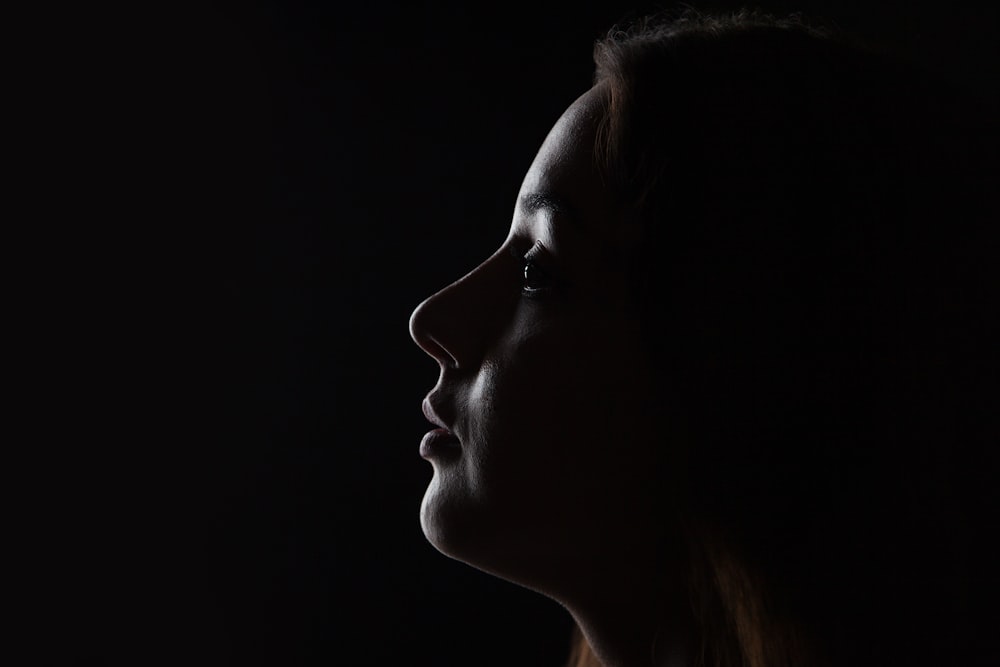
x=543 y=383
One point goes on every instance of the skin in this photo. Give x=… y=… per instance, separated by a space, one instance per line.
x=558 y=482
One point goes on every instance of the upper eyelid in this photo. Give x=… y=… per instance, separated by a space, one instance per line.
x=530 y=258
x=522 y=257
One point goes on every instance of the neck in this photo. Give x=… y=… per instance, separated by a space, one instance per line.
x=638 y=627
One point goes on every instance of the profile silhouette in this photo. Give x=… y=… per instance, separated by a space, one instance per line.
x=727 y=391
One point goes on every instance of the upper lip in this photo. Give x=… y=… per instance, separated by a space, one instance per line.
x=432 y=414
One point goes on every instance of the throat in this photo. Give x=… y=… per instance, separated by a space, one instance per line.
x=636 y=633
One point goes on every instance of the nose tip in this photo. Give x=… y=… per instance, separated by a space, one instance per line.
x=420 y=332
x=415 y=333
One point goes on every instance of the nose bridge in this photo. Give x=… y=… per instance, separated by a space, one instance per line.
x=447 y=325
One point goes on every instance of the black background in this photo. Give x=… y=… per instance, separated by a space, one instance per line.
x=288 y=181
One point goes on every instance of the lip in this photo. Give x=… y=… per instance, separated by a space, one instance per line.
x=440 y=442
x=432 y=415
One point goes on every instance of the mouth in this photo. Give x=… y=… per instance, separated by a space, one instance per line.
x=432 y=415
x=441 y=442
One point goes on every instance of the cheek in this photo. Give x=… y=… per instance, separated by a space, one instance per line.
x=554 y=417
x=523 y=419
x=548 y=420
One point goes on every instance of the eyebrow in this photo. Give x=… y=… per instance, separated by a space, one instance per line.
x=533 y=202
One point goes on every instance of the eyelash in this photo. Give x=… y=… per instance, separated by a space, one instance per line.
x=528 y=263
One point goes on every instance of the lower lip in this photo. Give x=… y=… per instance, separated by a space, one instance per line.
x=439 y=443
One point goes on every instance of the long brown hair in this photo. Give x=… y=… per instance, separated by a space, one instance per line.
x=817 y=279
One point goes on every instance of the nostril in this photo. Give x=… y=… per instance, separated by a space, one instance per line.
x=440 y=353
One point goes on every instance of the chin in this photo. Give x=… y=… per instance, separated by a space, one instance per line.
x=457 y=523
x=460 y=524
x=446 y=514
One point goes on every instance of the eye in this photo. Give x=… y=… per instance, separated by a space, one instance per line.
x=535 y=280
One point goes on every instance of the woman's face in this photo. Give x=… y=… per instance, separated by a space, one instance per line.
x=543 y=383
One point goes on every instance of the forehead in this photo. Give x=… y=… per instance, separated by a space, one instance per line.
x=565 y=167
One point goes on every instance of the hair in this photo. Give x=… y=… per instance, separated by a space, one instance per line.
x=816 y=279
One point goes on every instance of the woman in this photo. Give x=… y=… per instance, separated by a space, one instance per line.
x=725 y=392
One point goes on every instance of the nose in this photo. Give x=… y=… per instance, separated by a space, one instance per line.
x=426 y=322
x=450 y=325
